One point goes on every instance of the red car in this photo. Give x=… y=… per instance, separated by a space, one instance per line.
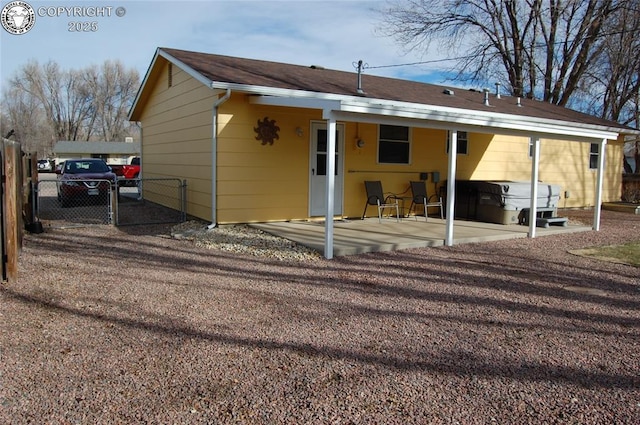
x=83 y=180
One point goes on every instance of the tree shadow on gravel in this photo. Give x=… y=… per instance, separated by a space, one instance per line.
x=440 y=278
x=453 y=363
x=499 y=280
x=519 y=275
x=338 y=310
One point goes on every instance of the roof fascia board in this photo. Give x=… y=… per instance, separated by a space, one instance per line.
x=441 y=125
x=438 y=119
x=161 y=53
x=460 y=117
x=296 y=102
x=277 y=93
x=452 y=116
x=143 y=85
x=186 y=68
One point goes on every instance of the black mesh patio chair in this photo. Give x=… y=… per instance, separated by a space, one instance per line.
x=419 y=193
x=375 y=196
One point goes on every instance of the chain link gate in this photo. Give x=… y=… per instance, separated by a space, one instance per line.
x=150 y=201
x=138 y=201
x=90 y=207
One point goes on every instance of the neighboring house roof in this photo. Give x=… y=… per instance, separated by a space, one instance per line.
x=104 y=148
x=315 y=87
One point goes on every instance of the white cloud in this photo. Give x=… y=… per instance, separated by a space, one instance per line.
x=334 y=34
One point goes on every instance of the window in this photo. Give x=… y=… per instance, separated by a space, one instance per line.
x=462 y=145
x=394 y=146
x=530 y=149
x=321 y=152
x=594 y=156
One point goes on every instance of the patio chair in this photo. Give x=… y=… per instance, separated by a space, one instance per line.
x=375 y=196
x=419 y=192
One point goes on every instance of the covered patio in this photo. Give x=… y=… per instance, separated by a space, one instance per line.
x=369 y=235
x=339 y=240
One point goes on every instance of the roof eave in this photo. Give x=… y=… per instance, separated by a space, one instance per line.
x=280 y=97
x=484 y=119
x=162 y=54
x=186 y=68
x=432 y=113
x=132 y=111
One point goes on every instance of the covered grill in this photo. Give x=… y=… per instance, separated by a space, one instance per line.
x=501 y=201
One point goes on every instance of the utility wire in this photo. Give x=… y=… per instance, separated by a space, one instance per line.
x=414 y=63
x=536 y=46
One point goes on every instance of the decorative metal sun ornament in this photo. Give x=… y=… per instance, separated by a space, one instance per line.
x=267 y=131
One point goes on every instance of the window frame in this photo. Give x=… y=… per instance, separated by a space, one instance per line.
x=459 y=139
x=392 y=142
x=594 y=157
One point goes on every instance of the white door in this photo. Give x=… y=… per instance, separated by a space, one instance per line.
x=318 y=169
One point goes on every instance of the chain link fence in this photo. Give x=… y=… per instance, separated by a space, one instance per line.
x=99 y=202
x=85 y=202
x=150 y=201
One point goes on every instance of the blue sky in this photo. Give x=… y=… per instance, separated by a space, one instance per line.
x=329 y=33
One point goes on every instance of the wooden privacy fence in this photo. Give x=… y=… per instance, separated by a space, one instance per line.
x=15 y=204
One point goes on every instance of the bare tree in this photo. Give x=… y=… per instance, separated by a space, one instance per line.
x=113 y=89
x=578 y=53
x=614 y=84
x=89 y=104
x=62 y=96
x=22 y=114
x=542 y=48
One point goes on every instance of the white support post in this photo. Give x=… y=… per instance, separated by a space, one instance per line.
x=533 y=205
x=451 y=186
x=600 y=178
x=330 y=188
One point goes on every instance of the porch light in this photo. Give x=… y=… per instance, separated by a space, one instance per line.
x=299 y=131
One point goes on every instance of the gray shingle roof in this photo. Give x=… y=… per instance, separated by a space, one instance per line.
x=252 y=72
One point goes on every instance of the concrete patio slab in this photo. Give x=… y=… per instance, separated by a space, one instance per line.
x=368 y=235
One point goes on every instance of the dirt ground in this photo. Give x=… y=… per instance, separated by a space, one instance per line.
x=129 y=325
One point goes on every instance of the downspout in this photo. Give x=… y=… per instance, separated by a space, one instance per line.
x=214 y=157
x=140 y=173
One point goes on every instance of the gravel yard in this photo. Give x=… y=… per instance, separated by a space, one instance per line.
x=132 y=325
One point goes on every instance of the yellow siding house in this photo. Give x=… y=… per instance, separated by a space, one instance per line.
x=256 y=141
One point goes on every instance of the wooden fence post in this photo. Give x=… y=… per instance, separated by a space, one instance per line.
x=12 y=208
x=3 y=274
